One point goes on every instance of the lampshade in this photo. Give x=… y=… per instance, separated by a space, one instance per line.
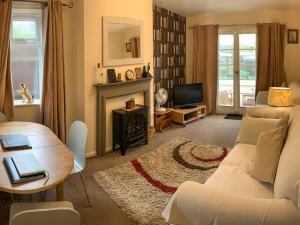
x=280 y=96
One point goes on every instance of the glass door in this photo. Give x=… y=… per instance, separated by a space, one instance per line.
x=236 y=70
x=247 y=69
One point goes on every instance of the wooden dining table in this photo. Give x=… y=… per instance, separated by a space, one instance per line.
x=51 y=153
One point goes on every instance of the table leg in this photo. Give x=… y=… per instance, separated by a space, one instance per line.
x=60 y=192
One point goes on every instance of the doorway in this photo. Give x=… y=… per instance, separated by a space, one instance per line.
x=236 y=69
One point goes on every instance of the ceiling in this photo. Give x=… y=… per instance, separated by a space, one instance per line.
x=192 y=7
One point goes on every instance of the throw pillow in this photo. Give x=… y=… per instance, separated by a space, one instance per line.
x=268 y=112
x=251 y=128
x=267 y=155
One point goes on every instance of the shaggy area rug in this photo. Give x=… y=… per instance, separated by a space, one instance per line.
x=143 y=186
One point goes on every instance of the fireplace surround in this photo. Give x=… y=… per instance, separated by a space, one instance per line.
x=113 y=90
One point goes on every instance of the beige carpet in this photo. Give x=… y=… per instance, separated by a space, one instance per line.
x=212 y=129
x=143 y=186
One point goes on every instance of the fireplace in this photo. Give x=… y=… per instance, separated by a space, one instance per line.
x=130 y=128
x=113 y=90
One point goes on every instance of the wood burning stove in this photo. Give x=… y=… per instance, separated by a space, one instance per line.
x=130 y=128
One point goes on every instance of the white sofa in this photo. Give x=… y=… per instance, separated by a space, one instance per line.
x=232 y=197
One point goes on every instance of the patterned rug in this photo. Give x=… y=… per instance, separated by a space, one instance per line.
x=143 y=186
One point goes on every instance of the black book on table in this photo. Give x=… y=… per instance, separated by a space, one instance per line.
x=30 y=170
x=15 y=142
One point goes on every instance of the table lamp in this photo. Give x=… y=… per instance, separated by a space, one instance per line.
x=280 y=97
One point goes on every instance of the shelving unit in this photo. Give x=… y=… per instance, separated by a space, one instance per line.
x=185 y=116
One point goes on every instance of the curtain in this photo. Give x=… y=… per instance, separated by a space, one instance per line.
x=135 y=47
x=205 y=62
x=53 y=106
x=270 y=56
x=6 y=91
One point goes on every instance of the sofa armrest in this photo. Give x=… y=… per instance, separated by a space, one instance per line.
x=197 y=204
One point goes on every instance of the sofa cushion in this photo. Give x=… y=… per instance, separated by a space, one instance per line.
x=251 y=128
x=233 y=180
x=240 y=156
x=267 y=154
x=287 y=182
x=268 y=112
x=232 y=176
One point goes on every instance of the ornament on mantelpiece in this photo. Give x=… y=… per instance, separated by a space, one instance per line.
x=99 y=74
x=148 y=70
x=119 y=76
x=144 y=74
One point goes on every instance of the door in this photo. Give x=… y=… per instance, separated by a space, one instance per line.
x=236 y=69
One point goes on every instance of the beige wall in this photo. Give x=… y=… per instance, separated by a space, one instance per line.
x=94 y=10
x=290 y=18
x=28 y=113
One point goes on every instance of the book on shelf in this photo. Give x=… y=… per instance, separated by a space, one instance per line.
x=15 y=142
x=23 y=168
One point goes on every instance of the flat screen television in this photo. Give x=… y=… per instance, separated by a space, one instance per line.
x=188 y=95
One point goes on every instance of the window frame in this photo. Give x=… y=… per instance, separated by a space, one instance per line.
x=30 y=14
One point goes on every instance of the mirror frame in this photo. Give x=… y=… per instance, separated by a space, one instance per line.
x=121 y=62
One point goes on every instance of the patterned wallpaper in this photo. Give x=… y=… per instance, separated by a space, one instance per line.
x=169 y=50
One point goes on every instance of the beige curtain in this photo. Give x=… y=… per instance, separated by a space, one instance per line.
x=6 y=92
x=270 y=56
x=205 y=62
x=53 y=102
x=135 y=47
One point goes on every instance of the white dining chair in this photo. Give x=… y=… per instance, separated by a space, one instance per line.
x=45 y=213
x=76 y=142
x=2 y=117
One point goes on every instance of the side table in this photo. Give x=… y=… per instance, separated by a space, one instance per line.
x=162 y=120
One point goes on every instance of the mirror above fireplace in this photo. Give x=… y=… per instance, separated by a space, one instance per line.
x=122 y=41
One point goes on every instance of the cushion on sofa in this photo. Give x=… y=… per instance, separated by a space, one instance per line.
x=268 y=112
x=251 y=128
x=267 y=154
x=287 y=182
x=240 y=156
x=232 y=176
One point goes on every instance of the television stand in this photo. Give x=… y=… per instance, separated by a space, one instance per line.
x=185 y=116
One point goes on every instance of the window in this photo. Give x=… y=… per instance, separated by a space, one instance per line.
x=26 y=51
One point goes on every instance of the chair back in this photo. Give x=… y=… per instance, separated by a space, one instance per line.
x=76 y=142
x=2 y=117
x=58 y=216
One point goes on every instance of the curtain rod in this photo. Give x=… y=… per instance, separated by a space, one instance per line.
x=69 y=5
x=225 y=25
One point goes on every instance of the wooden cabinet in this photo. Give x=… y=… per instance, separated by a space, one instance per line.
x=162 y=120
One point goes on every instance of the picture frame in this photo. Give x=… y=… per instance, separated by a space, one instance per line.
x=293 y=36
x=128 y=47
x=112 y=78
x=138 y=72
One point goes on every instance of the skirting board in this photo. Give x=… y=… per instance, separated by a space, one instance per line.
x=91 y=154
x=94 y=153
